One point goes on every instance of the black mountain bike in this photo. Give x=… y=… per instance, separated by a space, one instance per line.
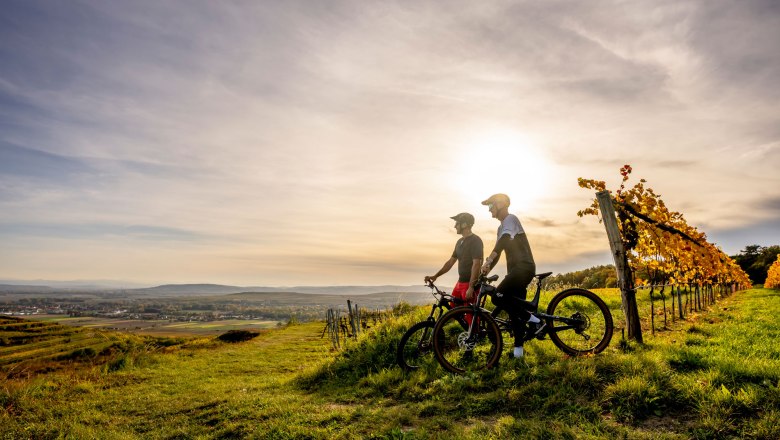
x=577 y=321
x=416 y=344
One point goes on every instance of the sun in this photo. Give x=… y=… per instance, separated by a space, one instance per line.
x=506 y=162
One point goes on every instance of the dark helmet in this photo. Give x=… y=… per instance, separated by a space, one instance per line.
x=464 y=217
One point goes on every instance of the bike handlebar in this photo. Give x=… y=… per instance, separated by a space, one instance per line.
x=444 y=295
x=489 y=279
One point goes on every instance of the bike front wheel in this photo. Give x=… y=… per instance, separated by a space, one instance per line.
x=462 y=348
x=416 y=346
x=581 y=323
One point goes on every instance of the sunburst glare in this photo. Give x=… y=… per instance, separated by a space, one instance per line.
x=503 y=161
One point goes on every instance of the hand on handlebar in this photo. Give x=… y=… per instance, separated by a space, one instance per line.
x=430 y=279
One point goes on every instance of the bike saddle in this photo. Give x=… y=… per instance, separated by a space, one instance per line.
x=542 y=276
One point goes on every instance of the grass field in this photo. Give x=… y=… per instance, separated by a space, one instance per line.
x=714 y=375
x=160 y=327
x=29 y=348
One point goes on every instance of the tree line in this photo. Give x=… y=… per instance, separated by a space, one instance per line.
x=756 y=261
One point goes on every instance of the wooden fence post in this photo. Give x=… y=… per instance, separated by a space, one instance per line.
x=625 y=277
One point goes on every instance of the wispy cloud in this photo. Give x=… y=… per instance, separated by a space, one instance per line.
x=257 y=134
x=96 y=231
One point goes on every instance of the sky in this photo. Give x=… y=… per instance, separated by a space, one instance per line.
x=328 y=143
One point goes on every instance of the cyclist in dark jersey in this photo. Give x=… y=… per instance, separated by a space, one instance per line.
x=468 y=253
x=520 y=267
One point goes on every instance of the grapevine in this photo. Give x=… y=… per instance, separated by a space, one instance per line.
x=662 y=248
x=773 y=276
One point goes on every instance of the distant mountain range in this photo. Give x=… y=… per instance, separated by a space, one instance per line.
x=206 y=289
x=76 y=284
x=216 y=289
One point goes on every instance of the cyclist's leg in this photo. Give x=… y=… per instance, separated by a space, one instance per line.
x=459 y=291
x=512 y=292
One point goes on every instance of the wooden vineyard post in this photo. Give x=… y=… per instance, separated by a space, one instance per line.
x=352 y=318
x=625 y=277
x=332 y=327
x=679 y=302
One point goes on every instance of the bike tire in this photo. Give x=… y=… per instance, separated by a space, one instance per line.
x=592 y=326
x=416 y=346
x=459 y=354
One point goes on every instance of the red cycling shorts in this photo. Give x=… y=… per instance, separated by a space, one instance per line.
x=459 y=291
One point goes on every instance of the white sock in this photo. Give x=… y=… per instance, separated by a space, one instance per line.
x=534 y=319
x=518 y=352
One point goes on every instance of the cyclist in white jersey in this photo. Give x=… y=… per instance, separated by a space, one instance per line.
x=520 y=267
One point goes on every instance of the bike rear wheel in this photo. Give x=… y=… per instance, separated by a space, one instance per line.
x=416 y=346
x=459 y=351
x=583 y=322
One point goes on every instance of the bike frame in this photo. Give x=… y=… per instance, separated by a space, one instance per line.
x=443 y=301
x=485 y=289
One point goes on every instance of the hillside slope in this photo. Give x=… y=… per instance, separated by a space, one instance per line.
x=694 y=382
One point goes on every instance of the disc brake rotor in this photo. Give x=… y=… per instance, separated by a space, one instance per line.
x=466 y=343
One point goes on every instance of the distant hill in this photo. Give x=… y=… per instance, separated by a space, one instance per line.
x=16 y=288
x=218 y=289
x=189 y=289
x=200 y=289
x=380 y=300
x=69 y=285
x=342 y=290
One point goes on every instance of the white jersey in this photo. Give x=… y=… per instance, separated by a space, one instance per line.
x=511 y=225
x=513 y=240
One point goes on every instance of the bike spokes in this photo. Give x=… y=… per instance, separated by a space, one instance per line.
x=582 y=323
x=460 y=350
x=416 y=346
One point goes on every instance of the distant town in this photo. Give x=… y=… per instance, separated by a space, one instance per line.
x=144 y=304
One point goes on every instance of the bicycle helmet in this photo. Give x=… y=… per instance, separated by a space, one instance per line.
x=464 y=217
x=496 y=198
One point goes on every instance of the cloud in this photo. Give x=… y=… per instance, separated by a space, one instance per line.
x=733 y=240
x=736 y=42
x=98 y=231
x=290 y=132
x=27 y=162
x=769 y=204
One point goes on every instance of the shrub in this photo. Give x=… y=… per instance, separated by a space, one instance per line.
x=237 y=336
x=79 y=353
x=119 y=363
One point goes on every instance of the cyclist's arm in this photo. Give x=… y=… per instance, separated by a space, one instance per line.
x=490 y=262
x=492 y=259
x=444 y=269
x=476 y=265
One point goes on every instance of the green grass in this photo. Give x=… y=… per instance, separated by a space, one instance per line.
x=32 y=347
x=159 y=327
x=714 y=375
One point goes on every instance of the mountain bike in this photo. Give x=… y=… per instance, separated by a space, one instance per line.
x=416 y=344
x=577 y=321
